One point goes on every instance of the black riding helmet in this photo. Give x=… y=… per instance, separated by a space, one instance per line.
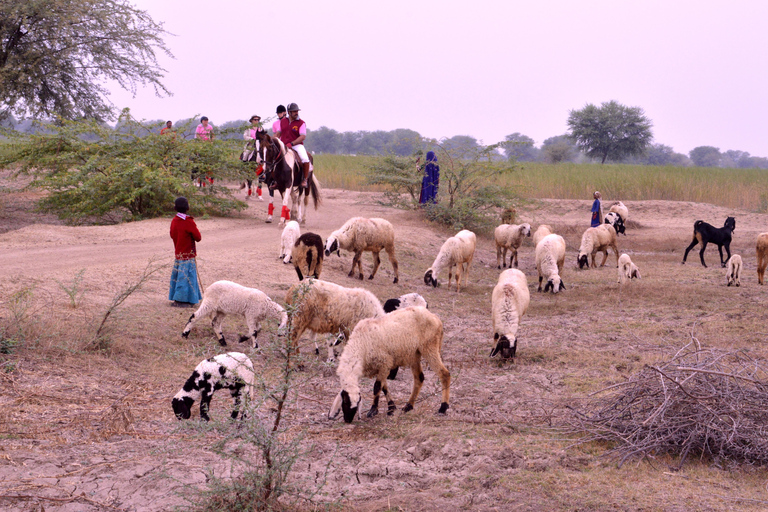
x=280 y=108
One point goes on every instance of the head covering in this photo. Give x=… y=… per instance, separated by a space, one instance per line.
x=254 y=118
x=596 y=195
x=431 y=156
x=280 y=108
x=204 y=118
x=181 y=204
x=292 y=107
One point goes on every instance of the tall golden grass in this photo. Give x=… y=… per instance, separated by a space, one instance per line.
x=736 y=188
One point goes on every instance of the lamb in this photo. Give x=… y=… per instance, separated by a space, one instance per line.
x=232 y=370
x=762 y=256
x=542 y=231
x=618 y=207
x=327 y=308
x=597 y=239
x=307 y=255
x=224 y=298
x=509 y=236
x=733 y=272
x=509 y=303
x=359 y=234
x=456 y=251
x=550 y=257
x=627 y=269
x=404 y=301
x=706 y=233
x=400 y=338
x=291 y=232
x=614 y=219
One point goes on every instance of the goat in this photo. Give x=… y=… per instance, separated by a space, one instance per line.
x=706 y=233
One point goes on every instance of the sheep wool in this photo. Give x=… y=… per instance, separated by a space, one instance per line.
x=404 y=301
x=400 y=338
x=596 y=240
x=307 y=255
x=291 y=233
x=542 y=231
x=550 y=257
x=457 y=251
x=509 y=303
x=733 y=271
x=622 y=210
x=509 y=237
x=627 y=269
x=224 y=298
x=359 y=235
x=232 y=371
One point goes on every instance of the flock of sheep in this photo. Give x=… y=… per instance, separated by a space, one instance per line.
x=382 y=338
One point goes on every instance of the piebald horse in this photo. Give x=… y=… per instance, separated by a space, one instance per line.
x=282 y=171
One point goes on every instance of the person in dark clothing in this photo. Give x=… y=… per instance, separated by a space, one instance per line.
x=431 y=181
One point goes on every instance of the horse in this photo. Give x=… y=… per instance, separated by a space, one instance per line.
x=282 y=171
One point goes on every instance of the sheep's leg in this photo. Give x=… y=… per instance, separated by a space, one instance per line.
x=418 y=381
x=459 y=273
x=393 y=261
x=514 y=255
x=360 y=266
x=701 y=253
x=466 y=271
x=540 y=278
x=376 y=263
x=253 y=331
x=205 y=403
x=436 y=363
x=216 y=323
x=450 y=269
x=390 y=403
x=500 y=257
x=616 y=252
x=235 y=392
x=688 y=249
x=356 y=263
x=375 y=406
x=605 y=257
x=762 y=262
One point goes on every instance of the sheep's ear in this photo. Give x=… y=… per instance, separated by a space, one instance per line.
x=562 y=287
x=335 y=408
x=549 y=286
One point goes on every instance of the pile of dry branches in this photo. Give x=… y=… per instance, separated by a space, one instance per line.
x=706 y=403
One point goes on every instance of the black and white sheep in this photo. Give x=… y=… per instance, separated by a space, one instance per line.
x=614 y=219
x=705 y=233
x=457 y=251
x=224 y=298
x=232 y=371
x=327 y=308
x=550 y=257
x=509 y=303
x=307 y=255
x=291 y=233
x=733 y=271
x=404 y=301
x=359 y=235
x=627 y=269
x=509 y=237
x=595 y=240
x=542 y=231
x=400 y=338
x=618 y=207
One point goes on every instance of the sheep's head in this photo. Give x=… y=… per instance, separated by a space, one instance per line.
x=583 y=261
x=182 y=407
x=343 y=402
x=526 y=229
x=504 y=347
x=429 y=280
x=332 y=245
x=730 y=223
x=634 y=272
x=554 y=285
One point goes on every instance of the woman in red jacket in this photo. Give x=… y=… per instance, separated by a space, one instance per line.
x=185 y=292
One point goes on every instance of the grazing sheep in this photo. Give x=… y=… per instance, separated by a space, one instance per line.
x=618 y=207
x=400 y=338
x=327 y=308
x=706 y=233
x=550 y=257
x=291 y=233
x=596 y=240
x=455 y=252
x=224 y=298
x=359 y=234
x=762 y=256
x=404 y=301
x=232 y=371
x=733 y=272
x=614 y=219
x=627 y=269
x=307 y=255
x=509 y=236
x=509 y=303
x=542 y=231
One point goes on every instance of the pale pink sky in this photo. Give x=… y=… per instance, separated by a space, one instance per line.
x=482 y=68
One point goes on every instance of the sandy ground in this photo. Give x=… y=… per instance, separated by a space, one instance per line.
x=84 y=430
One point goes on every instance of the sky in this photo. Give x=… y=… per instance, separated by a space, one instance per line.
x=699 y=69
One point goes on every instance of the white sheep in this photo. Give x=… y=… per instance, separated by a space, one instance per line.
x=542 y=231
x=404 y=301
x=457 y=251
x=597 y=239
x=358 y=235
x=327 y=308
x=622 y=210
x=400 y=338
x=627 y=269
x=224 y=298
x=550 y=257
x=733 y=272
x=232 y=371
x=307 y=255
x=509 y=303
x=291 y=233
x=509 y=236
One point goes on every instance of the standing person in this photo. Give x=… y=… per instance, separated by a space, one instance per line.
x=204 y=130
x=276 y=126
x=431 y=181
x=293 y=137
x=597 y=210
x=168 y=128
x=249 y=152
x=184 y=291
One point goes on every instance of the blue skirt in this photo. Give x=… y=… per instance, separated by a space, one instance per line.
x=184 y=287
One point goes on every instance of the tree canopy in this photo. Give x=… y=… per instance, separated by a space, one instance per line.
x=55 y=56
x=611 y=131
x=520 y=148
x=705 y=156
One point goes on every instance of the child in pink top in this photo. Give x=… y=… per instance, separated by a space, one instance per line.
x=204 y=130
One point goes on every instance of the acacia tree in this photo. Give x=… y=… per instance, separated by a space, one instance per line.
x=611 y=131
x=705 y=156
x=56 y=54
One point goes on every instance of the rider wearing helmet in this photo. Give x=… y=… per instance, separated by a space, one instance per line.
x=276 y=129
x=293 y=131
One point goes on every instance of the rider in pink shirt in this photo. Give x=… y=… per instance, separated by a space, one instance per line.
x=276 y=125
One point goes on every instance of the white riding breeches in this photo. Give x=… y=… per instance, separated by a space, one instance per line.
x=302 y=151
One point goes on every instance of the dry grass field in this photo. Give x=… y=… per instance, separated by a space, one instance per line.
x=88 y=428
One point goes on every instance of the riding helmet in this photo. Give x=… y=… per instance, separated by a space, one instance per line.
x=280 y=108
x=292 y=107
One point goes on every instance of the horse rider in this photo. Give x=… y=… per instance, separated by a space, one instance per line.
x=276 y=129
x=293 y=131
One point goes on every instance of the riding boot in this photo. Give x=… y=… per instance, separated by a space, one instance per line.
x=305 y=169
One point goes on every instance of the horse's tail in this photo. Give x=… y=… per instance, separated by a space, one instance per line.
x=314 y=190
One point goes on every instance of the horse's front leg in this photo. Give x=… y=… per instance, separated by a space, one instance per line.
x=271 y=207
x=285 y=212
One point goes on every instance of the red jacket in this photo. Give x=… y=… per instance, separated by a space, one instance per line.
x=290 y=131
x=184 y=234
